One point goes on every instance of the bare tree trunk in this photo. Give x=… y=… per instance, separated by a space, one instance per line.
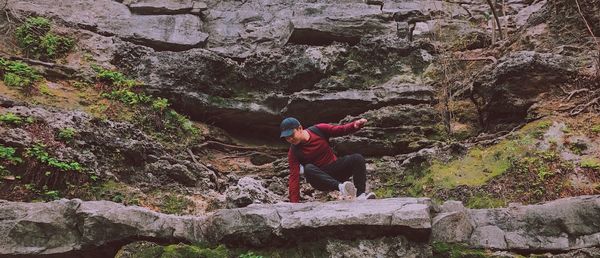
x=496 y=18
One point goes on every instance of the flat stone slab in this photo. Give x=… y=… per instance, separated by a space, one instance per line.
x=173 y=32
x=267 y=225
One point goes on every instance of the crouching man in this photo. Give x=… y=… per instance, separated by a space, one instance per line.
x=311 y=154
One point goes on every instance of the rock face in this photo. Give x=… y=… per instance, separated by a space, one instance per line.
x=68 y=225
x=281 y=223
x=113 y=18
x=563 y=224
x=96 y=142
x=401 y=227
x=505 y=91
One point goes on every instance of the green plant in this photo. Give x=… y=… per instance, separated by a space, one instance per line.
x=250 y=255
x=578 y=147
x=36 y=40
x=160 y=104
x=8 y=154
x=591 y=163
x=66 y=134
x=128 y=97
x=38 y=152
x=483 y=201
x=596 y=129
x=451 y=250
x=10 y=118
x=174 y=204
x=18 y=74
x=52 y=195
x=114 y=78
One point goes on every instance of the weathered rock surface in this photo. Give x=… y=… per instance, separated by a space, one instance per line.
x=248 y=191
x=564 y=227
x=392 y=130
x=96 y=142
x=67 y=225
x=564 y=224
x=113 y=18
x=505 y=91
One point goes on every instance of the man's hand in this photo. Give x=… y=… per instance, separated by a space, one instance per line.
x=360 y=123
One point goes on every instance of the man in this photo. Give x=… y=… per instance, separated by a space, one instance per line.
x=310 y=152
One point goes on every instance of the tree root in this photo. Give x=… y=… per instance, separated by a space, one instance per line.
x=582 y=107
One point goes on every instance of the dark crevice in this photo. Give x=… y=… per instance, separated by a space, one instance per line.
x=319 y=38
x=293 y=237
x=163 y=46
x=107 y=250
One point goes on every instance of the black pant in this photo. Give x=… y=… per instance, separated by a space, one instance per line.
x=330 y=176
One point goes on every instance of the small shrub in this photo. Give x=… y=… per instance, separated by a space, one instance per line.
x=39 y=153
x=114 y=78
x=11 y=119
x=18 y=75
x=174 y=204
x=36 y=40
x=160 y=104
x=52 y=195
x=596 y=129
x=8 y=154
x=128 y=97
x=66 y=134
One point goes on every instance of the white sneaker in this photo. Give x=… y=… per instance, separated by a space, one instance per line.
x=366 y=196
x=347 y=190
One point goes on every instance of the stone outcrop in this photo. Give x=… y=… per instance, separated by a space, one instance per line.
x=505 y=91
x=96 y=142
x=248 y=191
x=392 y=130
x=564 y=227
x=110 y=17
x=67 y=225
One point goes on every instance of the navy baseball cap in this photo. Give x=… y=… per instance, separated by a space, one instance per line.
x=287 y=126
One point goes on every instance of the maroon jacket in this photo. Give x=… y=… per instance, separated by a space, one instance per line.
x=316 y=151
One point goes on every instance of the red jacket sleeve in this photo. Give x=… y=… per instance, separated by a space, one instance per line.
x=294 y=179
x=337 y=130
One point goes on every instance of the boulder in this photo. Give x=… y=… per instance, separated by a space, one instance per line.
x=504 y=92
x=64 y=226
x=248 y=191
x=558 y=226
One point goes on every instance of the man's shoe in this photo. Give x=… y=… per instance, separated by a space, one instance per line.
x=366 y=196
x=347 y=190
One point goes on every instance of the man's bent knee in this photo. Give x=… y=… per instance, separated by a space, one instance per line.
x=358 y=158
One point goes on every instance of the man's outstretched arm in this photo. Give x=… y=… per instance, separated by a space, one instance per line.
x=341 y=130
x=294 y=179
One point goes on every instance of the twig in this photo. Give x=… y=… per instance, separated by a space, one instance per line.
x=572 y=93
x=587 y=25
x=496 y=17
x=583 y=107
x=490 y=58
